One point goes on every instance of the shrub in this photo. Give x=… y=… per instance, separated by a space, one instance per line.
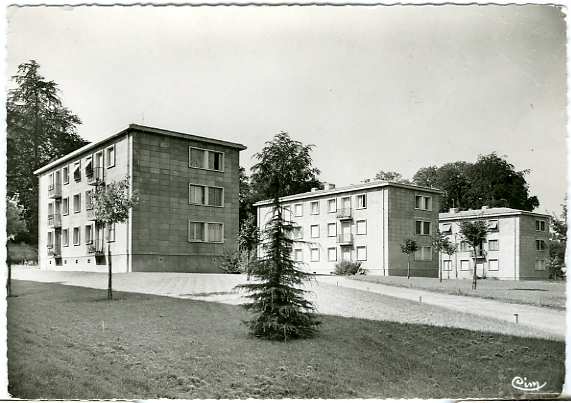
x=230 y=262
x=347 y=268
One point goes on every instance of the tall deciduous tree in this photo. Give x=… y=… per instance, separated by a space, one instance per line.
x=15 y=225
x=39 y=129
x=391 y=176
x=279 y=304
x=111 y=205
x=408 y=246
x=474 y=233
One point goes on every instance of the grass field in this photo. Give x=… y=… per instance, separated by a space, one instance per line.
x=539 y=293
x=67 y=342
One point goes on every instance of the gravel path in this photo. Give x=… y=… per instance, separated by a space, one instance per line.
x=333 y=296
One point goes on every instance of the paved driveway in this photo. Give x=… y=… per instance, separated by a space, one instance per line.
x=334 y=296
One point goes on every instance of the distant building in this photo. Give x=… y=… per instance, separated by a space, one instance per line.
x=187 y=214
x=364 y=222
x=515 y=249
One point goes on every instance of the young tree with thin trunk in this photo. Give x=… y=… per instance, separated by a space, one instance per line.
x=441 y=244
x=408 y=246
x=474 y=233
x=15 y=224
x=111 y=205
x=450 y=248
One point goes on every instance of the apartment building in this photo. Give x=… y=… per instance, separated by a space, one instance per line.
x=187 y=213
x=515 y=249
x=364 y=222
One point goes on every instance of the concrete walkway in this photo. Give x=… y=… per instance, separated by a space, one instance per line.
x=335 y=295
x=550 y=320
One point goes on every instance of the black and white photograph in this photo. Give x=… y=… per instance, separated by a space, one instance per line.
x=303 y=201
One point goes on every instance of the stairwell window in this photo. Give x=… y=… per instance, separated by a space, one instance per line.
x=65 y=206
x=88 y=200
x=110 y=233
x=89 y=234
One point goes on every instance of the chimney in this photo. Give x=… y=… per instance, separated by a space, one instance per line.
x=329 y=186
x=484 y=207
x=314 y=189
x=453 y=210
x=367 y=180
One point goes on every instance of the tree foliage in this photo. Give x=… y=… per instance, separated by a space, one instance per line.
x=441 y=243
x=408 y=246
x=391 y=177
x=558 y=244
x=284 y=168
x=474 y=233
x=280 y=307
x=490 y=181
x=39 y=129
x=15 y=223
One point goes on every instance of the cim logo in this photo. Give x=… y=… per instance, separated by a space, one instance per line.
x=523 y=384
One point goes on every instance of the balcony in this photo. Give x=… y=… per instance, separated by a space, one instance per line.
x=96 y=247
x=94 y=176
x=54 y=220
x=345 y=239
x=54 y=250
x=54 y=191
x=344 y=214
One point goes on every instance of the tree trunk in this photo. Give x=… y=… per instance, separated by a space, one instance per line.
x=9 y=263
x=109 y=285
x=440 y=265
x=408 y=266
x=474 y=281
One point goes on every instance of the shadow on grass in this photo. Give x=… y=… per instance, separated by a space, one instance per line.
x=64 y=344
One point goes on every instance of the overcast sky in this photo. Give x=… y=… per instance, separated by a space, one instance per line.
x=374 y=88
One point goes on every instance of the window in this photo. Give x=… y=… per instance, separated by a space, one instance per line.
x=298 y=255
x=88 y=200
x=196 y=232
x=110 y=233
x=446 y=228
x=493 y=265
x=424 y=203
x=77 y=171
x=493 y=244
x=89 y=166
x=314 y=207
x=76 y=234
x=361 y=201
x=314 y=231
x=464 y=265
x=297 y=232
x=298 y=210
x=464 y=246
x=315 y=254
x=205 y=195
x=215 y=232
x=423 y=253
x=423 y=228
x=332 y=229
x=205 y=232
x=64 y=237
x=77 y=203
x=65 y=206
x=110 y=156
x=88 y=234
x=540 y=264
x=493 y=225
x=361 y=253
x=332 y=205
x=50 y=243
x=540 y=245
x=65 y=174
x=332 y=254
x=362 y=227
x=205 y=159
x=446 y=265
x=540 y=225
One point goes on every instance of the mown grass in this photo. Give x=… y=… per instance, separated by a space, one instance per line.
x=66 y=342
x=539 y=293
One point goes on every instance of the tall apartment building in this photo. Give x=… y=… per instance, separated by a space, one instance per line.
x=515 y=249
x=364 y=222
x=186 y=217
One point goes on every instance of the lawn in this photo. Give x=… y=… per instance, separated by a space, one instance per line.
x=67 y=342
x=539 y=293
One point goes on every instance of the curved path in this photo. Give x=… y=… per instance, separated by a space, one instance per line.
x=334 y=295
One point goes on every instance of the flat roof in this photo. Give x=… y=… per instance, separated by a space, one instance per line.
x=139 y=128
x=360 y=186
x=487 y=212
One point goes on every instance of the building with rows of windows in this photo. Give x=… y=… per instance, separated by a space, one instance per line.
x=187 y=214
x=364 y=222
x=515 y=248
